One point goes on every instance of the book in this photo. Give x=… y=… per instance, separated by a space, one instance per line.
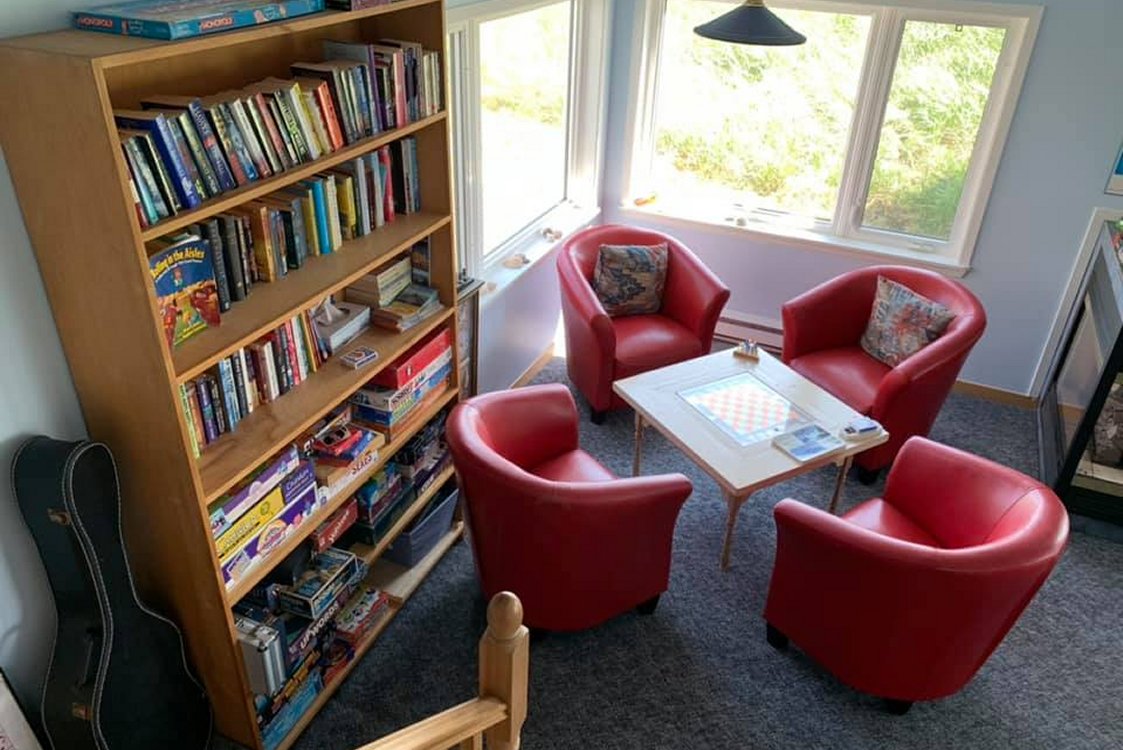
x=202 y=127
x=174 y=19
x=186 y=293
x=807 y=443
x=156 y=125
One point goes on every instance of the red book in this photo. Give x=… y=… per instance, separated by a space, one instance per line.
x=387 y=183
x=270 y=125
x=322 y=93
x=290 y=346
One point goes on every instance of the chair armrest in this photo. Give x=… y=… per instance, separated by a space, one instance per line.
x=830 y=316
x=938 y=362
x=693 y=296
x=590 y=321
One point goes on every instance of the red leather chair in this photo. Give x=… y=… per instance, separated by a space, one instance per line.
x=551 y=524
x=906 y=596
x=600 y=349
x=822 y=331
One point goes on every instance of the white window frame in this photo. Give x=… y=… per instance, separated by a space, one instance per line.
x=844 y=232
x=585 y=123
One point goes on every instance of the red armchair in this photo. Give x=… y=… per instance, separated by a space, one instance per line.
x=600 y=349
x=551 y=524
x=822 y=331
x=906 y=596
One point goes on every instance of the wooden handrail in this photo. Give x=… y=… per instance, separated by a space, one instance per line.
x=446 y=729
x=498 y=714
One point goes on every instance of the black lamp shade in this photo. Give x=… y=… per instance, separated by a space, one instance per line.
x=750 y=23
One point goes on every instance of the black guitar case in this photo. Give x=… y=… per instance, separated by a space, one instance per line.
x=118 y=677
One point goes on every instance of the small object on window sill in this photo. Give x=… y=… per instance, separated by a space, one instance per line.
x=747 y=350
x=553 y=235
x=518 y=260
x=645 y=200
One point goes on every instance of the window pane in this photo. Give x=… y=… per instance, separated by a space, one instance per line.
x=524 y=77
x=936 y=102
x=765 y=127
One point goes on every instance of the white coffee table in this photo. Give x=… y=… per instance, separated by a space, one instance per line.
x=739 y=469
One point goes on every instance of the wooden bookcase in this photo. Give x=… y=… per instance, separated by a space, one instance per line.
x=61 y=147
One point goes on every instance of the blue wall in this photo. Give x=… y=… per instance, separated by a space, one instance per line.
x=1062 y=143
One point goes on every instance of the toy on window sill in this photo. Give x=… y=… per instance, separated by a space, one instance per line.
x=747 y=350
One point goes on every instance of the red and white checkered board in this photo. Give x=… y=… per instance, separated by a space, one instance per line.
x=745 y=408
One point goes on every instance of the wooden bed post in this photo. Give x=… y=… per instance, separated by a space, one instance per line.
x=504 y=661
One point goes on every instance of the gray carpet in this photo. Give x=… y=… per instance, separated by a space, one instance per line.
x=698 y=673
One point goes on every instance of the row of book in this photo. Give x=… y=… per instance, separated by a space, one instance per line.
x=263 y=239
x=183 y=150
x=216 y=401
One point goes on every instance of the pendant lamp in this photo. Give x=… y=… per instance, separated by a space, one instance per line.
x=750 y=23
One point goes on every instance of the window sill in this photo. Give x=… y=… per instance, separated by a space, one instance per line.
x=534 y=247
x=804 y=239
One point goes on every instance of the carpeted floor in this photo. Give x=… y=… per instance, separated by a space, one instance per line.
x=698 y=673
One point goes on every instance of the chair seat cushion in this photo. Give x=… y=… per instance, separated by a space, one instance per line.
x=849 y=373
x=645 y=342
x=573 y=466
x=881 y=517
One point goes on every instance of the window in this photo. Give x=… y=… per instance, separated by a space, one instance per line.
x=881 y=133
x=526 y=80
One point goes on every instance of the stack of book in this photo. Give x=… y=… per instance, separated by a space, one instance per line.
x=413 y=305
x=216 y=401
x=183 y=150
x=379 y=289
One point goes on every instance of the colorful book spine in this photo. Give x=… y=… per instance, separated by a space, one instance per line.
x=189 y=419
x=206 y=407
x=157 y=126
x=211 y=145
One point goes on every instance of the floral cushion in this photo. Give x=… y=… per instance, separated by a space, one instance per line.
x=629 y=279
x=902 y=323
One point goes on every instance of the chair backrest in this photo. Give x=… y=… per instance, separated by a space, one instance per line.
x=967 y=501
x=581 y=250
x=970 y=317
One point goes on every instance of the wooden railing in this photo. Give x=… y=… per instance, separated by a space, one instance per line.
x=497 y=715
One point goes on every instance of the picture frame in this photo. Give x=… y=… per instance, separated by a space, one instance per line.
x=468 y=333
x=15 y=732
x=1115 y=181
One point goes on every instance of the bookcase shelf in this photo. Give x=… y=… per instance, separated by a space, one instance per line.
x=240 y=195
x=63 y=151
x=272 y=426
x=271 y=304
x=254 y=575
x=369 y=553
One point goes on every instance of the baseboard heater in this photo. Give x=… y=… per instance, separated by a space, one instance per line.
x=733 y=327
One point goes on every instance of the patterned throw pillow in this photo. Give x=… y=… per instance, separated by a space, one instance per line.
x=629 y=279
x=902 y=323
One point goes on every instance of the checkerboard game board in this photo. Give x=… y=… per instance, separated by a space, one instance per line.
x=745 y=409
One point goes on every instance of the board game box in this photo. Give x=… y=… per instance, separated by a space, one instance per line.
x=745 y=409
x=178 y=19
x=185 y=290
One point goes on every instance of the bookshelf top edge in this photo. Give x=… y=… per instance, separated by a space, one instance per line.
x=113 y=50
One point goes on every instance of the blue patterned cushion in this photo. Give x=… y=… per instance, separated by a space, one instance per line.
x=629 y=279
x=902 y=323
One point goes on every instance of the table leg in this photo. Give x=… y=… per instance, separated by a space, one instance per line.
x=639 y=445
x=734 y=504
x=843 y=469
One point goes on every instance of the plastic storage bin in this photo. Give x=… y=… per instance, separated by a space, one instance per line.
x=426 y=530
